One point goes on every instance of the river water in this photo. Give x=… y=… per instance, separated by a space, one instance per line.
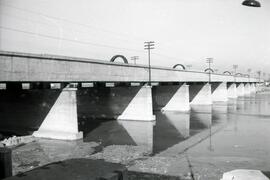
x=235 y=134
x=171 y=128
x=217 y=138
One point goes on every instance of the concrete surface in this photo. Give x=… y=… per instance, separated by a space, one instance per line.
x=202 y=95
x=179 y=101
x=252 y=88
x=62 y=121
x=140 y=108
x=220 y=93
x=232 y=91
x=27 y=67
x=247 y=89
x=240 y=89
x=244 y=174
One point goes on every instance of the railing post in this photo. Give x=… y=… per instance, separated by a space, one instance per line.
x=5 y=162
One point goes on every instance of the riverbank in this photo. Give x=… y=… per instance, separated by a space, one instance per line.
x=40 y=152
x=192 y=157
x=205 y=145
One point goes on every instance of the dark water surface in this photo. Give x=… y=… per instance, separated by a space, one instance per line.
x=244 y=121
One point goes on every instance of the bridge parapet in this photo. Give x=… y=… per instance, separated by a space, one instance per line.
x=26 y=67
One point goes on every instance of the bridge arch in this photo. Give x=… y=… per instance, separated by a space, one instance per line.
x=119 y=56
x=183 y=67
x=209 y=69
x=227 y=72
x=238 y=74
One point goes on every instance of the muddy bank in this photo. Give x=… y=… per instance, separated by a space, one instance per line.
x=44 y=151
x=122 y=154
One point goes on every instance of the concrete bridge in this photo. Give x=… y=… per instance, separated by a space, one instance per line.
x=101 y=89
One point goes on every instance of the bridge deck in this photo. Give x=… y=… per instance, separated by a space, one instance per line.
x=26 y=67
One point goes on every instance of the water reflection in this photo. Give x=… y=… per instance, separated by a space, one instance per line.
x=200 y=117
x=232 y=105
x=171 y=128
x=244 y=142
x=255 y=104
x=219 y=112
x=180 y=121
x=141 y=132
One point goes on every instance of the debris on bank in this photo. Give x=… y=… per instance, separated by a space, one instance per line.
x=43 y=151
x=15 y=141
x=171 y=168
x=122 y=154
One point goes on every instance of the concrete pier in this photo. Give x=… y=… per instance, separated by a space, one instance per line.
x=61 y=122
x=219 y=92
x=179 y=101
x=140 y=108
x=240 y=89
x=200 y=94
x=252 y=88
x=247 y=89
x=232 y=90
x=258 y=87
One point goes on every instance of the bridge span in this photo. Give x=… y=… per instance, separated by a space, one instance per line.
x=64 y=91
x=27 y=67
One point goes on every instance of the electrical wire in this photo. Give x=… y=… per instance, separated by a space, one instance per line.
x=139 y=39
x=68 y=21
x=70 y=40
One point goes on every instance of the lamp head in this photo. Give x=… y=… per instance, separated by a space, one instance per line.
x=251 y=3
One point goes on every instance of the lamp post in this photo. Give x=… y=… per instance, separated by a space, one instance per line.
x=148 y=46
x=189 y=66
x=209 y=61
x=249 y=71
x=235 y=67
x=259 y=73
x=134 y=58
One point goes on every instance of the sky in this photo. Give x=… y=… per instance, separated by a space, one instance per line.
x=185 y=31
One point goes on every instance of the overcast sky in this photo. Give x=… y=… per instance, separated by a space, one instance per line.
x=185 y=31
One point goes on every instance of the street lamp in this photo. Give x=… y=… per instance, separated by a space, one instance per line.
x=251 y=3
x=249 y=71
x=235 y=67
x=134 y=58
x=259 y=73
x=264 y=75
x=189 y=66
x=209 y=61
x=148 y=46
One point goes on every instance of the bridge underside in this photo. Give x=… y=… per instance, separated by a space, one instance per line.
x=61 y=111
